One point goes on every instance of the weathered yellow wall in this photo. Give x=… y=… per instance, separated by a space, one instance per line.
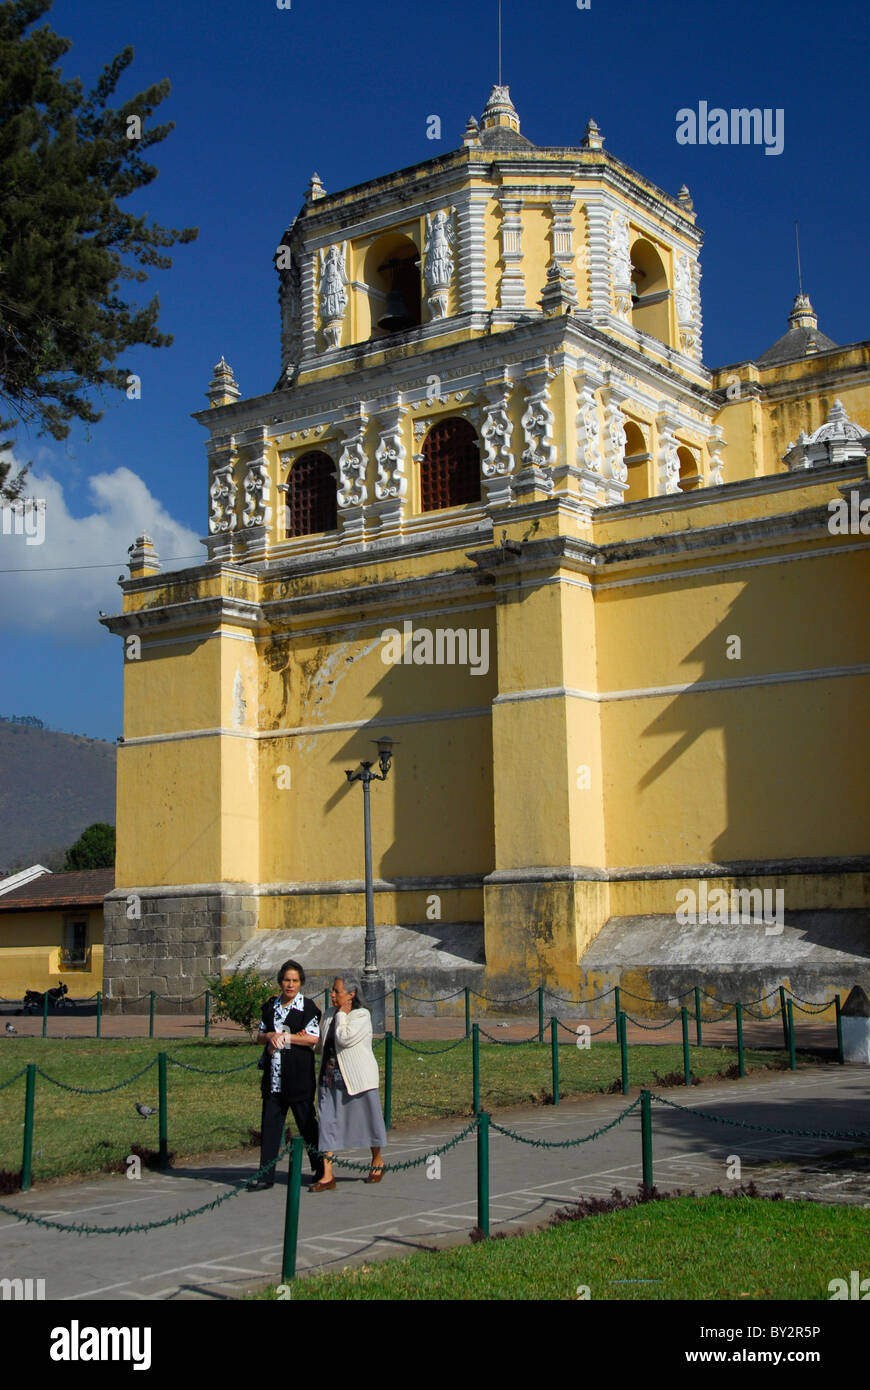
x=30 y=946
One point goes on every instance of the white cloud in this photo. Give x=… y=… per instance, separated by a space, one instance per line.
x=55 y=597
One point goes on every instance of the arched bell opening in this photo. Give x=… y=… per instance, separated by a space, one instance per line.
x=637 y=459
x=650 y=292
x=690 y=470
x=392 y=273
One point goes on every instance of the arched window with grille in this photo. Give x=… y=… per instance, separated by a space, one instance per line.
x=311 y=500
x=450 y=467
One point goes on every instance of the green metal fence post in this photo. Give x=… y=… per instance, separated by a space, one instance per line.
x=792 y=1059
x=646 y=1138
x=698 y=1038
x=540 y=1013
x=467 y=1012
x=151 y=1015
x=99 y=1013
x=687 y=1065
x=784 y=1013
x=161 y=1079
x=291 y=1211
x=475 y=1068
x=741 y=1061
x=483 y=1172
x=618 y=1007
x=840 y=1054
x=554 y=1058
x=396 y=1011
x=45 y=1014
x=27 y=1151
x=388 y=1081
x=326 y=1003
x=206 y=1020
x=623 y=1050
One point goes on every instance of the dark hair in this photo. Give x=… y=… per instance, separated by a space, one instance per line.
x=291 y=965
x=352 y=986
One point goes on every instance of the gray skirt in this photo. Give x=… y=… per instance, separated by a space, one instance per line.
x=349 y=1122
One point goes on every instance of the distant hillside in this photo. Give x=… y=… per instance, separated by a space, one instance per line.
x=52 y=787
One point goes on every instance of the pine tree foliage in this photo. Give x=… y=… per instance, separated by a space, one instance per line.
x=66 y=160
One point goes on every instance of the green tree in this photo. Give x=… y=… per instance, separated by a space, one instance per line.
x=94 y=849
x=66 y=158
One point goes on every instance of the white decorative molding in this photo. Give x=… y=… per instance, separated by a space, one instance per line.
x=308 y=296
x=588 y=430
x=222 y=495
x=615 y=469
x=597 y=257
x=438 y=267
x=538 y=422
x=838 y=440
x=390 y=454
x=512 y=286
x=352 y=491
x=562 y=241
x=470 y=216
x=667 y=459
x=684 y=296
x=333 y=292
x=497 y=462
x=620 y=262
x=258 y=493
x=715 y=445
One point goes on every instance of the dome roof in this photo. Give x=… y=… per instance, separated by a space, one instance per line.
x=803 y=338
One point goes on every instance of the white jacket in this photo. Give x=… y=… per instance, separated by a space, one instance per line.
x=353 y=1049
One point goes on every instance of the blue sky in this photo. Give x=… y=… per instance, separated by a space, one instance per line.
x=263 y=96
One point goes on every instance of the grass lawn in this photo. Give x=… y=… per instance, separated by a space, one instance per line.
x=83 y=1134
x=687 y=1247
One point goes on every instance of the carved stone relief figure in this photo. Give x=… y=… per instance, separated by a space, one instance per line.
x=333 y=295
x=438 y=270
x=621 y=265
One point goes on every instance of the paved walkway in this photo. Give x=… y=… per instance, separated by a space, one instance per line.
x=756 y=1033
x=238 y=1247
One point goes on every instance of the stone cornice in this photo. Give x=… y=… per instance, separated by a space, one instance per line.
x=193 y=613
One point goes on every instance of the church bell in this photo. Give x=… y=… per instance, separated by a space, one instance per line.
x=395 y=316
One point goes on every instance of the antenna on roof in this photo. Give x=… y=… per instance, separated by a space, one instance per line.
x=798 y=249
x=499 y=42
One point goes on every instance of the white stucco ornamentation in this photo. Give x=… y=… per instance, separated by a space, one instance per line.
x=838 y=440
x=669 y=463
x=620 y=262
x=616 y=467
x=333 y=295
x=352 y=464
x=538 y=422
x=498 y=460
x=588 y=430
x=390 y=454
x=438 y=269
x=222 y=496
x=714 y=450
x=258 y=491
x=684 y=297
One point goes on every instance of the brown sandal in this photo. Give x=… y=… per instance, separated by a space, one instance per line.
x=376 y=1174
x=322 y=1186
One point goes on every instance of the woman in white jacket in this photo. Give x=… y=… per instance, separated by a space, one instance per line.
x=348 y=1103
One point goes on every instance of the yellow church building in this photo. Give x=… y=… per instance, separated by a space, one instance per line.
x=609 y=602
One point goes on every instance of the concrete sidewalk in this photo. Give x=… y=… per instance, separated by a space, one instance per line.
x=238 y=1247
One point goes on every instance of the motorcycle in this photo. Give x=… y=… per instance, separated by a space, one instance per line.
x=34 y=999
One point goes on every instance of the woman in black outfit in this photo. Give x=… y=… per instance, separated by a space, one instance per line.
x=290 y=1028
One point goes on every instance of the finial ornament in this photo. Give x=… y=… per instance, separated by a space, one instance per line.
x=593 y=139
x=315 y=189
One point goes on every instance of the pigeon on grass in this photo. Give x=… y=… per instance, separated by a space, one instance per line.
x=146 y=1111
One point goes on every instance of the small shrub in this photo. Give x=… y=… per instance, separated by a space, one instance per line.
x=9 y=1181
x=240 y=998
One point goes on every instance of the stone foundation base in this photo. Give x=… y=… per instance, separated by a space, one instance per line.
x=170 y=940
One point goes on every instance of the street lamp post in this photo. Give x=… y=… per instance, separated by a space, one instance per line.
x=372 y=977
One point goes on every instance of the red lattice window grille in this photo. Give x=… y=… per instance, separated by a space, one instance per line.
x=450 y=471
x=311 y=502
